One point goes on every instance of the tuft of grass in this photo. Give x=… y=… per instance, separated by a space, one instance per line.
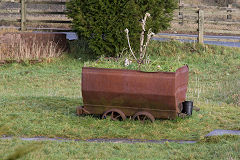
x=219 y=139
x=22 y=151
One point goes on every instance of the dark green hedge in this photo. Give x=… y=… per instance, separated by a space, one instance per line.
x=102 y=22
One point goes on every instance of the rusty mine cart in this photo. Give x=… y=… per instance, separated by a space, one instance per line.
x=119 y=93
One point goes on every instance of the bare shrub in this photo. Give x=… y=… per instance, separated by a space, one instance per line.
x=143 y=47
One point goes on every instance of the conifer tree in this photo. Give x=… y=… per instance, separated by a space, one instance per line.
x=102 y=22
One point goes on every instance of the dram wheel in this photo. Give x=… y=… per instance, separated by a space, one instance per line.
x=144 y=117
x=114 y=114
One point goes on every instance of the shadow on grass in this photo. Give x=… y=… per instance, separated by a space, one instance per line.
x=78 y=49
x=59 y=105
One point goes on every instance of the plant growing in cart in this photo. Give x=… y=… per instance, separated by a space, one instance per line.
x=143 y=47
x=139 y=59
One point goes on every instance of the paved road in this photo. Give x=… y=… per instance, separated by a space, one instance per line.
x=229 y=44
x=72 y=36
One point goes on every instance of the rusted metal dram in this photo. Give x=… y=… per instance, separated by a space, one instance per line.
x=158 y=93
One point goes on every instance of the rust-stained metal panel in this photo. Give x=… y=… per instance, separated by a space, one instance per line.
x=158 y=93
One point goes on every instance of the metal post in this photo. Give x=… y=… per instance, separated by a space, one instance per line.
x=23 y=15
x=200 y=26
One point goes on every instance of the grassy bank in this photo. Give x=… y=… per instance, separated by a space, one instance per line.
x=40 y=100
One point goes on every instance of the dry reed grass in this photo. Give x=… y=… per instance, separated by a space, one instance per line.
x=16 y=48
x=10 y=29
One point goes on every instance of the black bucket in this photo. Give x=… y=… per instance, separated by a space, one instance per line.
x=187 y=107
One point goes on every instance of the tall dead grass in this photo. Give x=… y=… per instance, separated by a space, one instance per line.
x=16 y=48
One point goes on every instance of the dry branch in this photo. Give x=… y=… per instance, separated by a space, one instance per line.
x=143 y=47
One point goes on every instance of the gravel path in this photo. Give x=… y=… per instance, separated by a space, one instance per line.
x=99 y=140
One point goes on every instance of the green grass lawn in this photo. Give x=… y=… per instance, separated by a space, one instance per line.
x=40 y=100
x=218 y=148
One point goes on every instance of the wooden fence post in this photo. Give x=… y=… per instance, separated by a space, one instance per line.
x=23 y=15
x=200 y=26
x=180 y=12
x=229 y=12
